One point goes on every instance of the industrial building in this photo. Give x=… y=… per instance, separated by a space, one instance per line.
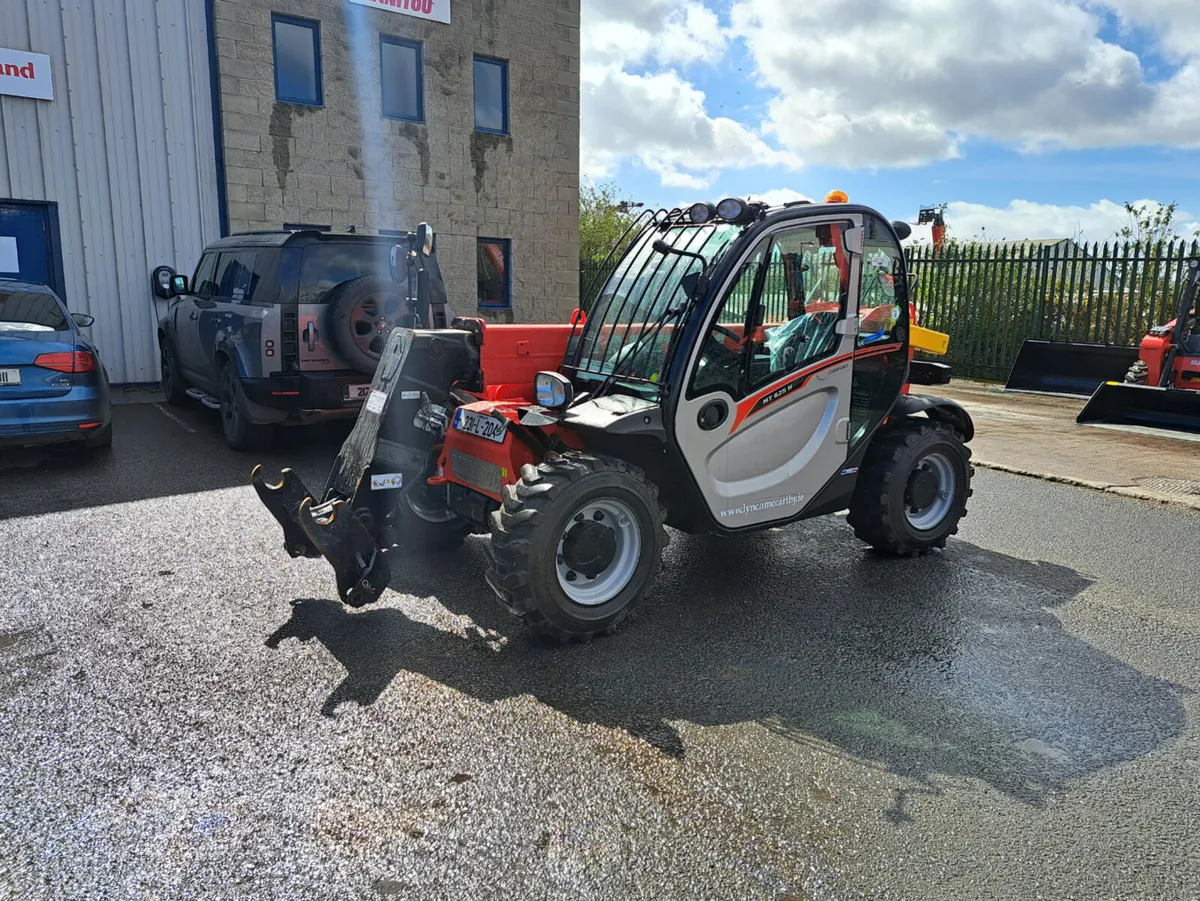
x=134 y=132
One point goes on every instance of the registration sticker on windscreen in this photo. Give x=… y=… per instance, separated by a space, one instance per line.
x=481 y=426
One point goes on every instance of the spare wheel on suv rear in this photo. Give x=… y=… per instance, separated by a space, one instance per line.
x=362 y=313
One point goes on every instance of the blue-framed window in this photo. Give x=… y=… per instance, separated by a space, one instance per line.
x=296 y=44
x=494 y=273
x=491 y=95
x=402 y=79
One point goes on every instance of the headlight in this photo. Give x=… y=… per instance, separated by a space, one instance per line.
x=701 y=213
x=553 y=391
x=731 y=209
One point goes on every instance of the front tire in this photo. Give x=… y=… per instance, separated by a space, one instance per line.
x=912 y=489
x=172 y=382
x=576 y=542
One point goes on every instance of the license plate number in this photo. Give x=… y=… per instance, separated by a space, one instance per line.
x=481 y=426
x=356 y=392
x=10 y=376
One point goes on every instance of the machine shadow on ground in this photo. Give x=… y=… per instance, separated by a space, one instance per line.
x=954 y=665
x=158 y=451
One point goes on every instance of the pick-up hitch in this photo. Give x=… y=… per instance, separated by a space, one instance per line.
x=391 y=451
x=332 y=527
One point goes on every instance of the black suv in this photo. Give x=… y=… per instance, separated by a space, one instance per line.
x=282 y=328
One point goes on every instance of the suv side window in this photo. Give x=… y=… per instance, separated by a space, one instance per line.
x=235 y=275
x=203 y=283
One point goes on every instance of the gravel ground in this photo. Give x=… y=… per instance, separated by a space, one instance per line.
x=186 y=712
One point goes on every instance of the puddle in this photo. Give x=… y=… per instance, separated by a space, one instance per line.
x=1041 y=749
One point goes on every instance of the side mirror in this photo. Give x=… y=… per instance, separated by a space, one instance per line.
x=425 y=239
x=695 y=284
x=83 y=320
x=903 y=230
x=160 y=282
x=179 y=285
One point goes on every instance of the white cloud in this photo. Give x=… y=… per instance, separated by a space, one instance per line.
x=779 y=197
x=657 y=119
x=863 y=83
x=1025 y=220
x=660 y=122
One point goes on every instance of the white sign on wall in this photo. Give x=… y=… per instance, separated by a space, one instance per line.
x=25 y=74
x=437 y=10
x=9 y=261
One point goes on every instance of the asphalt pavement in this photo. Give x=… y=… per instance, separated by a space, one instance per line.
x=187 y=713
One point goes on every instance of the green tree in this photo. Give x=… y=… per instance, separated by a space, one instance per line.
x=604 y=220
x=1149 y=225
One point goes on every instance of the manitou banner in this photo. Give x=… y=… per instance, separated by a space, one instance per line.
x=437 y=10
x=25 y=74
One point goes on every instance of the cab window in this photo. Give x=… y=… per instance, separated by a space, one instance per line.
x=881 y=306
x=781 y=314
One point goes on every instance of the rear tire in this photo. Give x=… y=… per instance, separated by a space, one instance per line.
x=576 y=542
x=172 y=382
x=912 y=489
x=1138 y=373
x=240 y=432
x=102 y=439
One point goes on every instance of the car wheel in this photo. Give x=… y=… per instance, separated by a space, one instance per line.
x=240 y=432
x=172 y=383
x=101 y=439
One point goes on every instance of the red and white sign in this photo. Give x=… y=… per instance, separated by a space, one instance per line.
x=24 y=74
x=437 y=10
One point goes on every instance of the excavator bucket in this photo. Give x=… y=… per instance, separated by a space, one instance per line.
x=1064 y=367
x=1119 y=403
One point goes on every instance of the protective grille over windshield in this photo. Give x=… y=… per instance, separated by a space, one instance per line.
x=636 y=314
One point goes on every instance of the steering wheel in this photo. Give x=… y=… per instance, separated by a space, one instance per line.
x=728 y=333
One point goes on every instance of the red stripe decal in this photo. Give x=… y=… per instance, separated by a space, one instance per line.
x=794 y=382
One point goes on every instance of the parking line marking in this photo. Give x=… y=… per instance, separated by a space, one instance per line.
x=175 y=419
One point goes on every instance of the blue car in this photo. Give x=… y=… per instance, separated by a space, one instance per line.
x=53 y=387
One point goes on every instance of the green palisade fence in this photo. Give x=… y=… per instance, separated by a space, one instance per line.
x=990 y=297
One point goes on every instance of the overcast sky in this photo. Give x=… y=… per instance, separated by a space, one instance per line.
x=1031 y=118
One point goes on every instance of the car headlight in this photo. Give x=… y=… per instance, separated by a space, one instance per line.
x=553 y=391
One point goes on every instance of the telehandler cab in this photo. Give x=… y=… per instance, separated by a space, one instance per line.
x=744 y=367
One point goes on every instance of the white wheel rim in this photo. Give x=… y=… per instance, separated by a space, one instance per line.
x=947 y=482
x=622 y=522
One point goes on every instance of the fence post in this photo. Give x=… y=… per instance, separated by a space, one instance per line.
x=1043 y=276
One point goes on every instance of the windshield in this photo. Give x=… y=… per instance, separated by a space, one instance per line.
x=624 y=331
x=31 y=311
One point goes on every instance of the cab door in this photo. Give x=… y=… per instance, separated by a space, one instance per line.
x=763 y=421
